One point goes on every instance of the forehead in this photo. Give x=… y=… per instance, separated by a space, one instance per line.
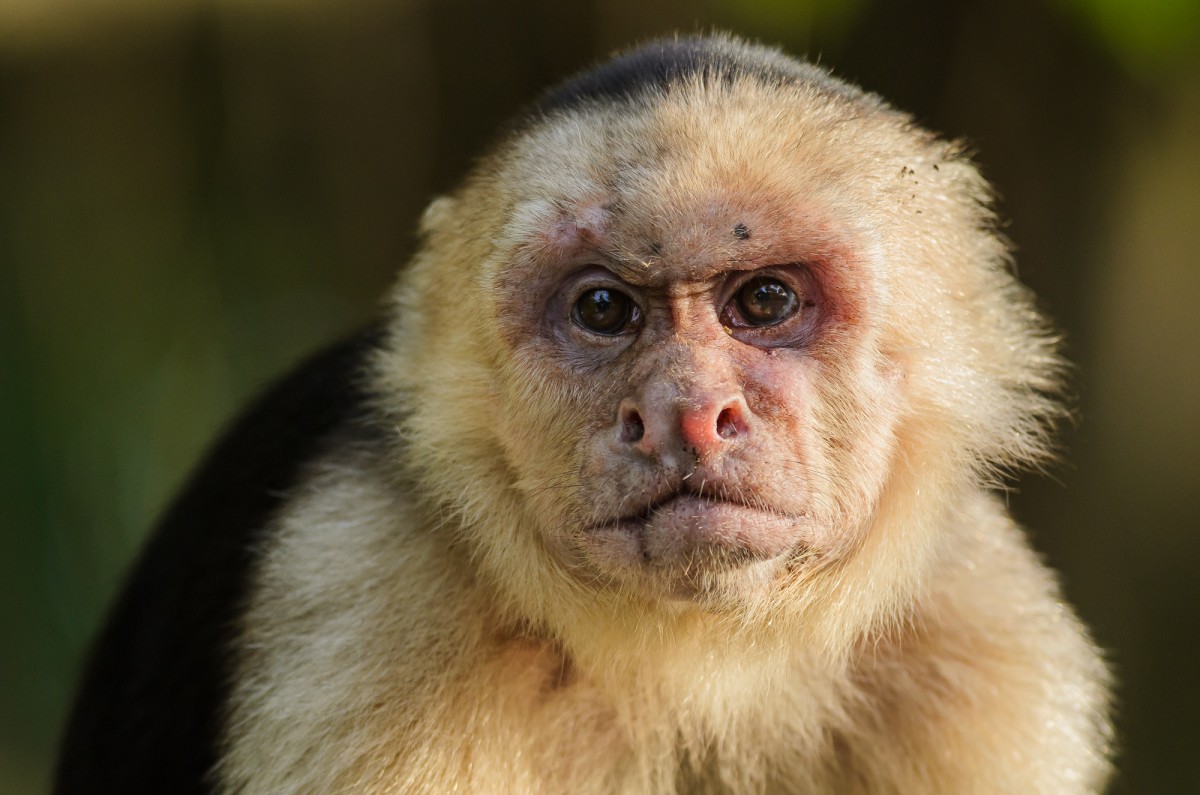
x=702 y=176
x=732 y=132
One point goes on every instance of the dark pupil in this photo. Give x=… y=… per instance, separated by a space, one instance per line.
x=602 y=311
x=765 y=301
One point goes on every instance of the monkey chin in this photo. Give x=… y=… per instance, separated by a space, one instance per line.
x=695 y=548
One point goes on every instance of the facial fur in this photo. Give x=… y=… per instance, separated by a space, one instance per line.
x=690 y=455
x=698 y=384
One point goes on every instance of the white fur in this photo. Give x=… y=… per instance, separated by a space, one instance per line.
x=410 y=630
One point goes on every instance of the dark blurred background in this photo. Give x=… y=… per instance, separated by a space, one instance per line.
x=195 y=193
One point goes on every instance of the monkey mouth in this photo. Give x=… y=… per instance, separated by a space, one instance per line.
x=686 y=532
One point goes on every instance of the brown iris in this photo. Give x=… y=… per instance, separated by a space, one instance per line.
x=764 y=301
x=603 y=311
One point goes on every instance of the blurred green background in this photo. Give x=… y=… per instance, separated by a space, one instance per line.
x=195 y=193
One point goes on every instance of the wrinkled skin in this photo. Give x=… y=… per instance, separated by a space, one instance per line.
x=701 y=461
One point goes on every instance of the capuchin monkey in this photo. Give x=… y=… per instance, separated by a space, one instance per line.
x=669 y=469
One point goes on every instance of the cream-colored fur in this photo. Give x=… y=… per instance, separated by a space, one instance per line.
x=412 y=630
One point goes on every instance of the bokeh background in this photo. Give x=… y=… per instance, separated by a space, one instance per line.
x=195 y=193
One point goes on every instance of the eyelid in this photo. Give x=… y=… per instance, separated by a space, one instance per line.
x=597 y=278
x=790 y=275
x=795 y=329
x=588 y=279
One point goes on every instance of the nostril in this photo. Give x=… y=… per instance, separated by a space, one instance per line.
x=707 y=424
x=632 y=427
x=728 y=423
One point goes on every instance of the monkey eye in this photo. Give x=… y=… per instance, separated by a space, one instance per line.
x=765 y=301
x=604 y=311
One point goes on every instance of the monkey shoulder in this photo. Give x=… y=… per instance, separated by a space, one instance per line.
x=149 y=711
x=990 y=659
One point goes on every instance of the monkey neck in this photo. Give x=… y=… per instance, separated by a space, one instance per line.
x=815 y=618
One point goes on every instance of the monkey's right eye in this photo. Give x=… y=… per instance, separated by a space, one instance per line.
x=604 y=311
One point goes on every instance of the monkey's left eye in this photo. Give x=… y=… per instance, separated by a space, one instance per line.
x=765 y=301
x=604 y=311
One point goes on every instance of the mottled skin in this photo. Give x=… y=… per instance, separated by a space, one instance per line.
x=697 y=453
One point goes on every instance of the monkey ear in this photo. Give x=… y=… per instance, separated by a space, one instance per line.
x=437 y=212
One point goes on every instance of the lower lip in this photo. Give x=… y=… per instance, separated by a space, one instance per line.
x=688 y=524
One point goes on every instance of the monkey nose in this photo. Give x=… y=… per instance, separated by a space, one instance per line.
x=703 y=424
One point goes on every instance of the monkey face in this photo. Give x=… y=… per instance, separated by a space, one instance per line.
x=700 y=469
x=701 y=327
x=693 y=349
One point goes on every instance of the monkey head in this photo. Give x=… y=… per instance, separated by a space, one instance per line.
x=705 y=331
